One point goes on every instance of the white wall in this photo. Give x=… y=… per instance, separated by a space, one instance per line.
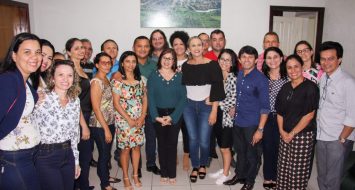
x=339 y=26
x=244 y=22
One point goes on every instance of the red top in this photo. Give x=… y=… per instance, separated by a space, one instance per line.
x=210 y=55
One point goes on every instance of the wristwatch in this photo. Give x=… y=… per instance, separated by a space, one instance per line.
x=261 y=130
x=342 y=140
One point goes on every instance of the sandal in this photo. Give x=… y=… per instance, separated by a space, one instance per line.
x=109 y=188
x=136 y=180
x=164 y=180
x=127 y=187
x=172 y=181
x=201 y=174
x=113 y=180
x=193 y=178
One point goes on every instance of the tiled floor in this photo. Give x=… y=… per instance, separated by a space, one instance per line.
x=151 y=182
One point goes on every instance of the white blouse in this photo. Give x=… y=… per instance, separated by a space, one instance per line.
x=25 y=135
x=58 y=124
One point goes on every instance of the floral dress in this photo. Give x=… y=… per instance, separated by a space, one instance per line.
x=131 y=100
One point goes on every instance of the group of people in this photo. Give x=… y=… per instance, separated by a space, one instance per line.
x=284 y=109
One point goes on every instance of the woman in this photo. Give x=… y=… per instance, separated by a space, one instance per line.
x=178 y=41
x=102 y=118
x=203 y=92
x=227 y=60
x=311 y=70
x=130 y=103
x=19 y=138
x=295 y=105
x=75 y=52
x=275 y=70
x=57 y=117
x=158 y=43
x=39 y=78
x=167 y=99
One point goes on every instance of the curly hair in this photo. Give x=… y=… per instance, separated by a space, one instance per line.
x=75 y=89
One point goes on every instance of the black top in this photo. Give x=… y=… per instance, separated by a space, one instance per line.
x=202 y=74
x=294 y=103
x=84 y=96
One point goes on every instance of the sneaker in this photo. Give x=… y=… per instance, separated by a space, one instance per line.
x=216 y=174
x=222 y=178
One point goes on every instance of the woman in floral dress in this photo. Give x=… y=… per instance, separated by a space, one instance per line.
x=130 y=103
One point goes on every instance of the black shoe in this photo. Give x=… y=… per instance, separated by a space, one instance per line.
x=113 y=180
x=139 y=173
x=234 y=181
x=247 y=186
x=93 y=163
x=213 y=154
x=91 y=187
x=193 y=178
x=153 y=169
x=269 y=186
x=202 y=175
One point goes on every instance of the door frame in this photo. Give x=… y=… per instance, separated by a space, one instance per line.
x=278 y=11
x=21 y=5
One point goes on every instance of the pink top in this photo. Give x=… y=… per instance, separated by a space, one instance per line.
x=313 y=74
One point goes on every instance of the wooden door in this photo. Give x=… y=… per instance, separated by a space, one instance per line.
x=14 y=19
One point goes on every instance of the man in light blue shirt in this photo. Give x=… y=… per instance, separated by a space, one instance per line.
x=335 y=119
x=111 y=48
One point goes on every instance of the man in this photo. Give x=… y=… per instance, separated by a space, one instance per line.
x=146 y=65
x=218 y=42
x=251 y=112
x=86 y=64
x=111 y=48
x=205 y=42
x=271 y=39
x=335 y=119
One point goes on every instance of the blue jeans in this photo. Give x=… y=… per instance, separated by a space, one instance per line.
x=56 y=167
x=196 y=115
x=85 y=156
x=17 y=170
x=150 y=141
x=104 y=150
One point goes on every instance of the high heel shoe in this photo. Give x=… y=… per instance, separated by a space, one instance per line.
x=193 y=178
x=129 y=186
x=201 y=174
x=136 y=180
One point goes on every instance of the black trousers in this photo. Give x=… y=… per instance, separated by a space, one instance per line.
x=167 y=144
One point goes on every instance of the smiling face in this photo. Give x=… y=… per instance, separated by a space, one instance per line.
x=63 y=78
x=111 y=49
x=158 y=41
x=247 y=61
x=270 y=41
x=141 y=48
x=205 y=41
x=273 y=60
x=167 y=61
x=104 y=64
x=218 y=42
x=195 y=47
x=329 y=61
x=28 y=58
x=77 y=51
x=179 y=47
x=129 y=64
x=47 y=60
x=88 y=50
x=294 y=69
x=225 y=62
x=304 y=52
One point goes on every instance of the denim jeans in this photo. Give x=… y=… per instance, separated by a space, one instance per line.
x=196 y=115
x=85 y=156
x=17 y=170
x=56 y=168
x=151 y=141
x=104 y=150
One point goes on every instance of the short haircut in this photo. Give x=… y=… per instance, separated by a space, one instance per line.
x=218 y=31
x=85 y=40
x=202 y=33
x=271 y=33
x=106 y=41
x=182 y=35
x=328 y=45
x=248 y=50
x=140 y=38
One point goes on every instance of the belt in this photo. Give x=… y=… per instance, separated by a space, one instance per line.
x=55 y=146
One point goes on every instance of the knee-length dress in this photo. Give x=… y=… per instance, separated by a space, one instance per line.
x=131 y=100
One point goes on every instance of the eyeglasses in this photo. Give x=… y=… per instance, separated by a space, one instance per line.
x=289 y=96
x=225 y=60
x=305 y=50
x=168 y=58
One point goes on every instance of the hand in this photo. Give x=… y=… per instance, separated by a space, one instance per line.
x=108 y=136
x=212 y=118
x=77 y=171
x=140 y=121
x=131 y=123
x=257 y=137
x=168 y=120
x=232 y=112
x=85 y=133
x=161 y=120
x=289 y=137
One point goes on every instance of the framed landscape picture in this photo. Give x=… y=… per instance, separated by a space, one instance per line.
x=181 y=13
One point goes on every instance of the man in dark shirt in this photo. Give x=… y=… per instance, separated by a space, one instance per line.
x=86 y=64
x=251 y=112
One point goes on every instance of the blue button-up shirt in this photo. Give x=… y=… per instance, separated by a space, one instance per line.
x=252 y=98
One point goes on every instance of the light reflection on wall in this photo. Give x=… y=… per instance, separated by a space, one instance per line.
x=160 y=19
